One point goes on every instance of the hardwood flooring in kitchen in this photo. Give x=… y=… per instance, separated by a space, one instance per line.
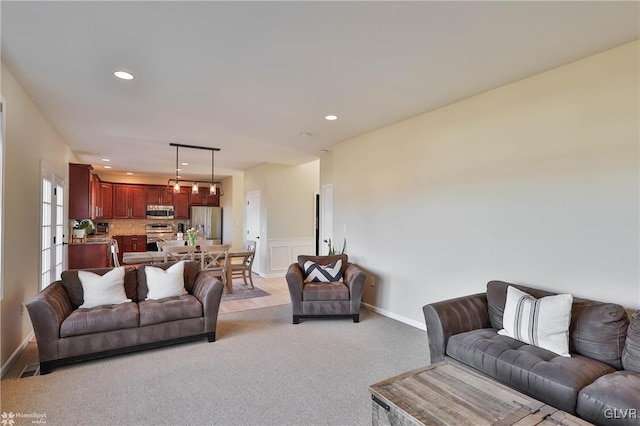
x=278 y=295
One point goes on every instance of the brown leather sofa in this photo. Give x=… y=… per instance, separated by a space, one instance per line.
x=65 y=333
x=325 y=299
x=600 y=382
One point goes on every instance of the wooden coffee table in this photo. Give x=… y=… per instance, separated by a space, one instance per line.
x=450 y=394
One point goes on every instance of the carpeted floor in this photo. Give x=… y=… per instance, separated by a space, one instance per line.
x=262 y=370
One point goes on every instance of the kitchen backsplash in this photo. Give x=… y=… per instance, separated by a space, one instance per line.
x=136 y=226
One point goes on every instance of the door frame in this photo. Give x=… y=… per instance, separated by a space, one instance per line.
x=256 y=211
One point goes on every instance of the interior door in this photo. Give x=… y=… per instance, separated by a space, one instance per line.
x=253 y=227
x=326 y=218
x=52 y=227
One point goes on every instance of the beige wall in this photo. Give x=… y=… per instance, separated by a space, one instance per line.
x=536 y=182
x=30 y=139
x=287 y=203
x=232 y=204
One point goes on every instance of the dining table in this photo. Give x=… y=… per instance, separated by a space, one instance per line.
x=234 y=255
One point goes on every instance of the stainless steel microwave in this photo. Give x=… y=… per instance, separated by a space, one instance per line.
x=160 y=212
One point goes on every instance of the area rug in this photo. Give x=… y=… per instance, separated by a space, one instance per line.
x=241 y=291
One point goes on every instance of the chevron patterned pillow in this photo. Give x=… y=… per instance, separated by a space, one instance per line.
x=316 y=273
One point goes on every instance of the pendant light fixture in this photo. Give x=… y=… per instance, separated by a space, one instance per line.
x=176 y=187
x=214 y=188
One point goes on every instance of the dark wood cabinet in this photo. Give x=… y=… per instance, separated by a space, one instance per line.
x=181 y=203
x=80 y=191
x=132 y=243
x=101 y=199
x=85 y=256
x=129 y=201
x=204 y=198
x=159 y=195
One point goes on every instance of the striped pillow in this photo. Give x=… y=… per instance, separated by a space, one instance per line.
x=314 y=272
x=540 y=322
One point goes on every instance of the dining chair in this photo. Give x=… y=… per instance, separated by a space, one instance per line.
x=178 y=253
x=243 y=269
x=205 y=243
x=214 y=261
x=170 y=243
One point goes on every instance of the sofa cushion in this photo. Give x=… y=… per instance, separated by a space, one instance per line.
x=191 y=270
x=107 y=289
x=330 y=273
x=169 y=309
x=73 y=286
x=99 y=319
x=163 y=283
x=324 y=260
x=631 y=352
x=541 y=322
x=612 y=399
x=324 y=291
x=597 y=330
x=542 y=374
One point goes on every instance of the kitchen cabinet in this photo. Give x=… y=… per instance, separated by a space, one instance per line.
x=80 y=191
x=204 y=198
x=88 y=255
x=159 y=196
x=181 y=203
x=132 y=243
x=129 y=201
x=102 y=199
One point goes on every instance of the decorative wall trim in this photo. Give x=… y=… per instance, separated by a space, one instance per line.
x=282 y=252
x=7 y=365
x=408 y=321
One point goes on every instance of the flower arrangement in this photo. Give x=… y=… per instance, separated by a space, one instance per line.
x=191 y=236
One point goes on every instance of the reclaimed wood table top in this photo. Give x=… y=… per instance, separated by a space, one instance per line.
x=446 y=393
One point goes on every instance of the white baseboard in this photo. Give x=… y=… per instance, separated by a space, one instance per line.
x=7 y=365
x=408 y=321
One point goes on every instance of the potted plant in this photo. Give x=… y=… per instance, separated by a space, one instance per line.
x=332 y=249
x=83 y=227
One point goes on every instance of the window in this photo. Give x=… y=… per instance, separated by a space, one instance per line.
x=52 y=227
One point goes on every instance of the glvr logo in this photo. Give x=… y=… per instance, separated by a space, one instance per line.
x=621 y=413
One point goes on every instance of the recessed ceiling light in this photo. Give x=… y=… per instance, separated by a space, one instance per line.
x=178 y=170
x=104 y=159
x=330 y=117
x=306 y=134
x=178 y=177
x=123 y=75
x=324 y=151
x=107 y=167
x=185 y=164
x=129 y=173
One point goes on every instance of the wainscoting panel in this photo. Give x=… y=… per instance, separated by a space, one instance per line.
x=283 y=252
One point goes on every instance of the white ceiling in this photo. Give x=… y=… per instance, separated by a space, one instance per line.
x=250 y=77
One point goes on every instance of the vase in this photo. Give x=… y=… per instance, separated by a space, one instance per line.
x=191 y=239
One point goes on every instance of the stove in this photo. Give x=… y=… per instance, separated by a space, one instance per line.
x=157 y=232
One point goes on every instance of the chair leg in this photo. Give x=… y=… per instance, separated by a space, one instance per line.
x=244 y=277
x=250 y=278
x=356 y=317
x=296 y=319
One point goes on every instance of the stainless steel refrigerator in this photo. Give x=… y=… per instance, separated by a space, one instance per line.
x=207 y=221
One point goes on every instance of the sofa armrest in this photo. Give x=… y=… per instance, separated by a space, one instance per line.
x=449 y=317
x=355 y=278
x=294 y=281
x=48 y=309
x=208 y=290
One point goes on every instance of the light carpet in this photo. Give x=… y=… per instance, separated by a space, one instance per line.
x=262 y=370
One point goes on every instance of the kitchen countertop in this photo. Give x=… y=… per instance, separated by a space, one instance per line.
x=90 y=241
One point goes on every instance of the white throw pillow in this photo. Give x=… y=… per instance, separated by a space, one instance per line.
x=540 y=322
x=107 y=289
x=165 y=283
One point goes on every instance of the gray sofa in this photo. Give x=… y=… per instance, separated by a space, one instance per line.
x=600 y=382
x=66 y=333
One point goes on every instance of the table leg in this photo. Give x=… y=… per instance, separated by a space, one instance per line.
x=229 y=280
